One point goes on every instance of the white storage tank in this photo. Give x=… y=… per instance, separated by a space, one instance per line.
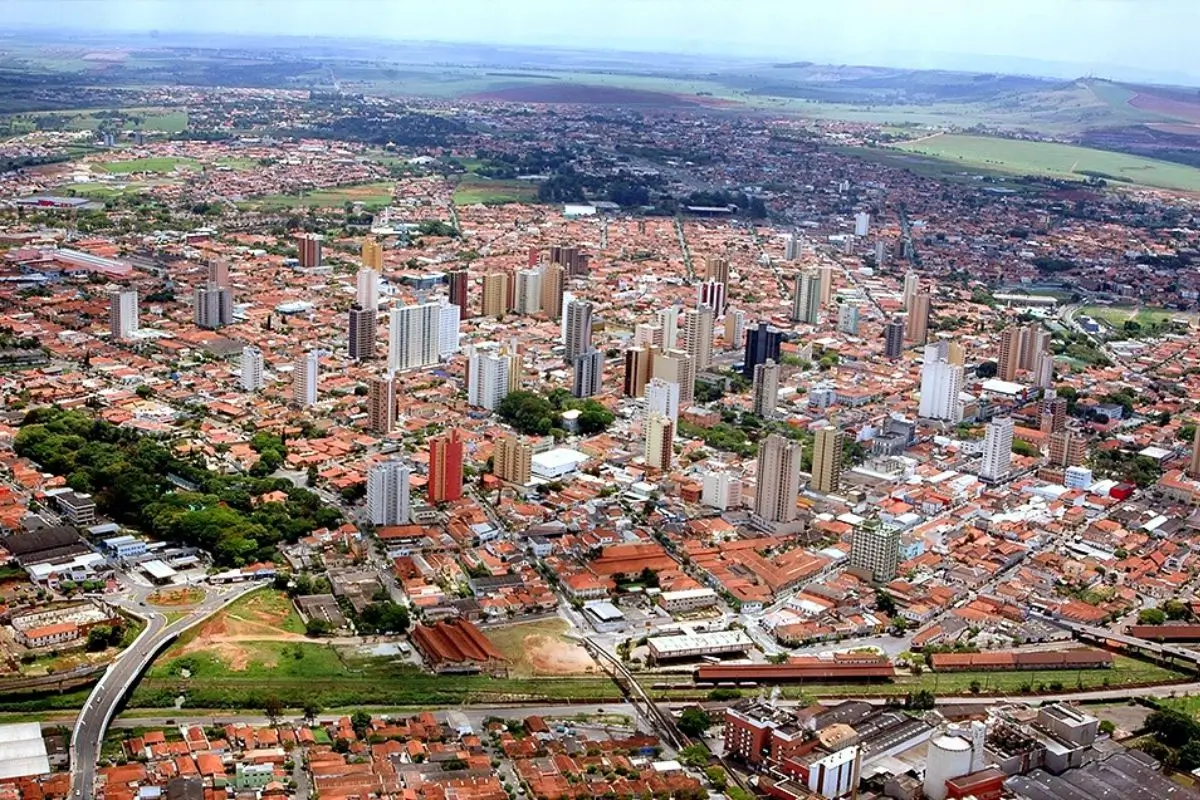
x=948 y=757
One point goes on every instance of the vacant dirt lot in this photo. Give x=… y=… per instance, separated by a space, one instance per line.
x=540 y=648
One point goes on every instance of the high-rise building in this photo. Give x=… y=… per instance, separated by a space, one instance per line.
x=862 y=224
x=309 y=245
x=212 y=306
x=414 y=337
x=449 y=316
x=762 y=344
x=676 y=366
x=721 y=490
x=660 y=442
x=662 y=397
x=218 y=272
x=698 y=328
x=459 y=281
x=716 y=269
x=827 y=460
x=791 y=247
x=875 y=551
x=495 y=294
x=912 y=285
x=305 y=373
x=955 y=354
x=1010 y=353
x=711 y=293
x=487 y=378
x=1053 y=416
x=778 y=479
x=1043 y=371
x=529 y=292
x=578 y=337
x=366 y=292
x=735 y=328
x=848 y=319
x=123 y=313
x=648 y=335
x=512 y=460
x=806 y=297
x=917 y=328
x=1035 y=340
x=941 y=385
x=1067 y=449
x=766 y=389
x=668 y=319
x=252 y=369
x=638 y=361
x=372 y=254
x=381 y=405
x=552 y=285
x=388 y=486
x=588 y=373
x=893 y=339
x=997 y=450
x=512 y=352
x=362 y=333
x=826 y=275
x=1194 y=462
x=445 y=467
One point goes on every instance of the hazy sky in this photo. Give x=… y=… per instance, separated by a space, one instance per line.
x=1146 y=36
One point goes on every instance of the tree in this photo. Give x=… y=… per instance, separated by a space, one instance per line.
x=1108 y=727
x=694 y=721
x=274 y=708
x=1176 y=609
x=361 y=722
x=1151 y=616
x=885 y=602
x=716 y=778
x=976 y=687
x=98 y=638
x=921 y=700
x=1189 y=756
x=1172 y=728
x=311 y=711
x=317 y=627
x=694 y=755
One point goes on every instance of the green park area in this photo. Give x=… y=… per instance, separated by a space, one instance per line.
x=473 y=189
x=1052 y=159
x=1146 y=320
x=371 y=195
x=158 y=164
x=256 y=649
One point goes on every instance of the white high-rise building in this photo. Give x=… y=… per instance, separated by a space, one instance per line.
x=941 y=384
x=662 y=397
x=368 y=289
x=414 y=337
x=528 y=299
x=578 y=323
x=567 y=299
x=698 y=325
x=997 y=450
x=721 y=490
x=213 y=306
x=387 y=492
x=862 y=224
x=791 y=247
x=487 y=378
x=668 y=319
x=848 y=319
x=252 y=369
x=766 y=389
x=123 y=313
x=806 y=297
x=449 y=321
x=305 y=373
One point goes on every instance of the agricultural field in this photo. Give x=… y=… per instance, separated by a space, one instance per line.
x=164 y=164
x=1052 y=159
x=472 y=189
x=371 y=195
x=540 y=648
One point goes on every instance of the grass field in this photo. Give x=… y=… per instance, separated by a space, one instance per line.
x=540 y=648
x=472 y=189
x=1117 y=316
x=1054 y=160
x=164 y=164
x=371 y=195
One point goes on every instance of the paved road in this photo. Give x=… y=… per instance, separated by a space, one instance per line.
x=88 y=734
